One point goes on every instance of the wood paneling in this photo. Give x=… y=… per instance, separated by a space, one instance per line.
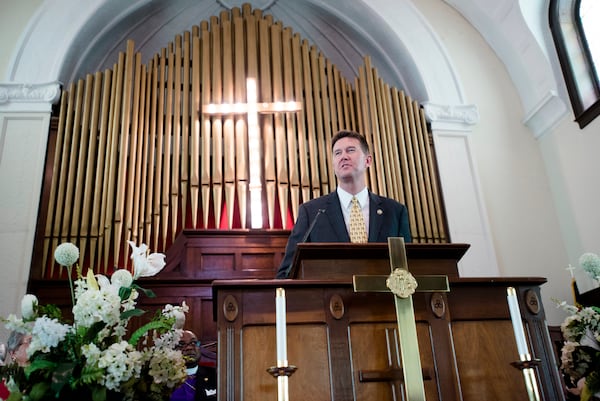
x=464 y=357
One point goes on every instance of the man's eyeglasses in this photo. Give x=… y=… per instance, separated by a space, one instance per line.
x=183 y=344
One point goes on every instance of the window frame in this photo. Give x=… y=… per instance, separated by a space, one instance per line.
x=584 y=114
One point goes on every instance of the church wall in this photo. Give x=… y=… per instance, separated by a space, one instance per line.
x=23 y=147
x=14 y=18
x=571 y=155
x=522 y=216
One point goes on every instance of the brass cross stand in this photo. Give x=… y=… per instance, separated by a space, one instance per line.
x=403 y=284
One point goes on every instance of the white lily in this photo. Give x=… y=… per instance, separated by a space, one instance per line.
x=145 y=265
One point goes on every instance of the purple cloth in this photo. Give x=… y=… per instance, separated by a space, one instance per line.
x=186 y=391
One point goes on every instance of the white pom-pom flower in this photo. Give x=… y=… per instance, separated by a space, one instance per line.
x=66 y=254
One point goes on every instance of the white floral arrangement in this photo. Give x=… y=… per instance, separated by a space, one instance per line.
x=94 y=357
x=590 y=263
x=580 y=353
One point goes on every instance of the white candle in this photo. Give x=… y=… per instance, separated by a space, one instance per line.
x=280 y=327
x=515 y=315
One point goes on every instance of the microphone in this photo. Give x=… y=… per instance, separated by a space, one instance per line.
x=312 y=225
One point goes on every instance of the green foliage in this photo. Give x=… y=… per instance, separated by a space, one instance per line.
x=161 y=325
x=52 y=311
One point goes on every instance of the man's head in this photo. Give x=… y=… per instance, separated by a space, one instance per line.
x=351 y=158
x=351 y=134
x=190 y=348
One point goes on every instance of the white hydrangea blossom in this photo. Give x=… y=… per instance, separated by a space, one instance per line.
x=92 y=354
x=97 y=306
x=46 y=334
x=13 y=323
x=121 y=362
x=167 y=366
x=169 y=339
x=96 y=298
x=130 y=302
x=81 y=286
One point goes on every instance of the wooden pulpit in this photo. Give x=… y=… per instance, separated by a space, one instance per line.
x=345 y=344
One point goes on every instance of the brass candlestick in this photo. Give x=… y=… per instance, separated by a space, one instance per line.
x=282 y=374
x=277 y=371
x=527 y=365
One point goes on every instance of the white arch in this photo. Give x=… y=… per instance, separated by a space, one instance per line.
x=44 y=51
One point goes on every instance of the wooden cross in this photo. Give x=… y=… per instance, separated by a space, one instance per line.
x=253 y=108
x=403 y=284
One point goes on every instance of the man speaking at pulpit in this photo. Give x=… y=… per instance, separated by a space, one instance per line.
x=352 y=213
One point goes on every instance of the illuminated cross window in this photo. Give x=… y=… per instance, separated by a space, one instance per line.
x=252 y=108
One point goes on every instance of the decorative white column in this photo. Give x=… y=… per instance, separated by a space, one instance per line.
x=24 y=122
x=465 y=208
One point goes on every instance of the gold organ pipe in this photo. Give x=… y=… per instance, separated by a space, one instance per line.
x=69 y=226
x=228 y=121
x=217 y=125
x=80 y=209
x=123 y=133
x=419 y=151
x=266 y=121
x=98 y=123
x=290 y=130
x=136 y=159
x=195 y=132
x=302 y=167
x=318 y=122
x=252 y=57
x=153 y=139
x=206 y=136
x=160 y=151
x=374 y=133
x=51 y=225
x=177 y=155
x=137 y=235
x=132 y=194
x=241 y=128
x=167 y=159
x=185 y=126
x=310 y=119
x=281 y=155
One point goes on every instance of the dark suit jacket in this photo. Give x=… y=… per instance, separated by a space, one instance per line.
x=387 y=218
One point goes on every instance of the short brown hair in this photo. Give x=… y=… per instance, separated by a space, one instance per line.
x=351 y=134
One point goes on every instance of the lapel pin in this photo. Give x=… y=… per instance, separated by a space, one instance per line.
x=379 y=212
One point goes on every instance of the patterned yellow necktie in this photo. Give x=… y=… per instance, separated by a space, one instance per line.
x=358 y=228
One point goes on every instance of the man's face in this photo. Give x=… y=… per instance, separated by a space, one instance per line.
x=349 y=160
x=190 y=348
